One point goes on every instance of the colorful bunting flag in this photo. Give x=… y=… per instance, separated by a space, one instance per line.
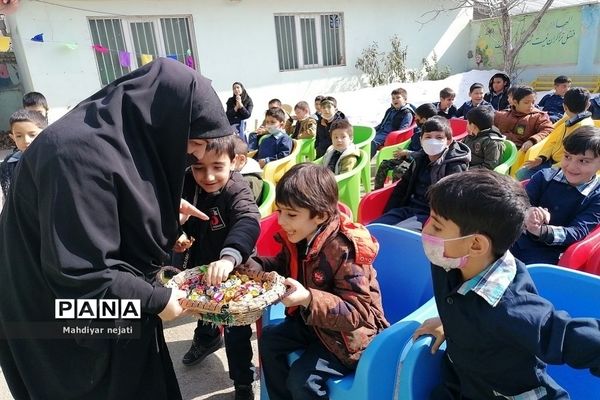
x=38 y=38
x=146 y=58
x=188 y=52
x=100 y=49
x=4 y=43
x=125 y=59
x=172 y=56
x=71 y=46
x=189 y=61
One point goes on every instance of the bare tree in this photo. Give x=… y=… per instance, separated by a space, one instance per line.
x=512 y=42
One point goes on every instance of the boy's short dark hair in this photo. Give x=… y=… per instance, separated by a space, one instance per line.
x=302 y=105
x=482 y=117
x=343 y=124
x=330 y=99
x=32 y=99
x=426 y=110
x=521 y=92
x=447 y=93
x=474 y=86
x=401 y=91
x=474 y=199
x=276 y=113
x=24 y=115
x=223 y=145
x=577 y=99
x=437 y=123
x=309 y=186
x=319 y=98
x=561 y=79
x=274 y=101
x=583 y=139
x=511 y=90
x=240 y=147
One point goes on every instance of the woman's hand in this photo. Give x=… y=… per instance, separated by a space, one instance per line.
x=183 y=243
x=173 y=309
x=434 y=327
x=187 y=210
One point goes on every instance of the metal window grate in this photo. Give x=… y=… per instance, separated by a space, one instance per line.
x=310 y=40
x=155 y=36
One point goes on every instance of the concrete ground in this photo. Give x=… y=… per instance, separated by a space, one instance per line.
x=208 y=380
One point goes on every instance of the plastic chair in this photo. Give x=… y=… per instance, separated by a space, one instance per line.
x=387 y=153
x=412 y=383
x=371 y=206
x=307 y=150
x=274 y=170
x=509 y=156
x=459 y=128
x=577 y=293
x=528 y=155
x=267 y=246
x=577 y=254
x=362 y=138
x=592 y=266
x=267 y=199
x=349 y=184
x=400 y=136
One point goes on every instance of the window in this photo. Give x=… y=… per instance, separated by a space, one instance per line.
x=310 y=40
x=127 y=40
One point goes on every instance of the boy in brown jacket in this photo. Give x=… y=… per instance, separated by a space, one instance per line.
x=334 y=304
x=305 y=126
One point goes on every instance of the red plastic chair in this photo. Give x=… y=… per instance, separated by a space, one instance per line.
x=400 y=136
x=592 y=266
x=372 y=205
x=459 y=128
x=266 y=246
x=577 y=255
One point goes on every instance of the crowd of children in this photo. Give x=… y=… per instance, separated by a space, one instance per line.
x=334 y=308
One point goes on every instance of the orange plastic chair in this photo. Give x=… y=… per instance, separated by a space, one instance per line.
x=372 y=205
x=400 y=136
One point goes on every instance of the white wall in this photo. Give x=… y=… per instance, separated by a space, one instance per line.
x=235 y=42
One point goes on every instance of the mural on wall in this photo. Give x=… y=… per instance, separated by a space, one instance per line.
x=555 y=41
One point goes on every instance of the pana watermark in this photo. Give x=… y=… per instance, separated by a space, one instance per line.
x=97 y=309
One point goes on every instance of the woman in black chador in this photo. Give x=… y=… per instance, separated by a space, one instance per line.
x=93 y=212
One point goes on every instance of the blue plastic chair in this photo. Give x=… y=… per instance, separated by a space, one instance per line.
x=412 y=383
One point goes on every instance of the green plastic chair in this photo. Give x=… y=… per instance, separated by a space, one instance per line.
x=349 y=184
x=387 y=152
x=509 y=156
x=267 y=199
x=307 y=150
x=363 y=136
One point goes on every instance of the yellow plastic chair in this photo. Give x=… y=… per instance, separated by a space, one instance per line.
x=597 y=123
x=349 y=184
x=362 y=138
x=274 y=170
x=307 y=150
x=267 y=199
x=509 y=156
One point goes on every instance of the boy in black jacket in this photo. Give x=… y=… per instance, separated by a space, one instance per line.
x=484 y=139
x=222 y=243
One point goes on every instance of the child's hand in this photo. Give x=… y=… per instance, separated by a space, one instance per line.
x=527 y=145
x=253 y=265
x=183 y=243
x=533 y=163
x=218 y=271
x=261 y=130
x=262 y=162
x=434 y=327
x=300 y=295
x=535 y=218
x=399 y=154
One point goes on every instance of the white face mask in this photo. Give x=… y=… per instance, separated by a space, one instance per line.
x=433 y=147
x=435 y=248
x=272 y=129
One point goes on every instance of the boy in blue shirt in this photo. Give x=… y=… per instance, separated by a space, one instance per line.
x=399 y=116
x=276 y=143
x=499 y=332
x=552 y=103
x=565 y=202
x=476 y=96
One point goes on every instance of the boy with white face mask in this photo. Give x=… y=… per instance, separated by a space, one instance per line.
x=490 y=314
x=276 y=143
x=440 y=156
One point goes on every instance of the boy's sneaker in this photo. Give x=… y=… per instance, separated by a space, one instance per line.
x=243 y=392
x=198 y=352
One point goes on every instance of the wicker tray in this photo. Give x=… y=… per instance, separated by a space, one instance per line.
x=233 y=313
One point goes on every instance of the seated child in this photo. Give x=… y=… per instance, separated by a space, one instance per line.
x=523 y=124
x=317 y=114
x=446 y=107
x=276 y=143
x=476 y=95
x=595 y=107
x=25 y=125
x=329 y=113
x=441 y=156
x=577 y=100
x=497 y=96
x=333 y=309
x=223 y=242
x=253 y=137
x=35 y=101
x=499 y=332
x=552 y=103
x=342 y=156
x=399 y=116
x=423 y=113
x=248 y=168
x=484 y=139
x=305 y=126
x=565 y=202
